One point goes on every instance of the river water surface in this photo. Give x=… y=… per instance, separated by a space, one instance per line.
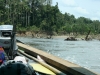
x=83 y=53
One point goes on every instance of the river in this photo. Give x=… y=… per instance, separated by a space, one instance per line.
x=83 y=53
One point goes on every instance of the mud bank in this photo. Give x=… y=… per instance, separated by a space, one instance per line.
x=44 y=35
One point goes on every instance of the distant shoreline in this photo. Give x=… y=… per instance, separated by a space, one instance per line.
x=79 y=37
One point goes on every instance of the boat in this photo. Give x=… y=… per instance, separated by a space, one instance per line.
x=39 y=64
x=45 y=63
x=8 y=42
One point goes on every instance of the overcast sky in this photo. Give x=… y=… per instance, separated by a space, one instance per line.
x=86 y=8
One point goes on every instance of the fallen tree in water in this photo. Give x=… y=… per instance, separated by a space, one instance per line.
x=87 y=36
x=71 y=39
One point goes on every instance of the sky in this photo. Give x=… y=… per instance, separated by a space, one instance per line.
x=80 y=8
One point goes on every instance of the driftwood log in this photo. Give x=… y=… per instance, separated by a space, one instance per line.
x=71 y=39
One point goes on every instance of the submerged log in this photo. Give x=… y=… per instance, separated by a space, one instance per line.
x=71 y=39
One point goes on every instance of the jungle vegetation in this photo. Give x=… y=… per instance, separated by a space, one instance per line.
x=41 y=16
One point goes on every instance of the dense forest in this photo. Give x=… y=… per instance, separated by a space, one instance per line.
x=41 y=16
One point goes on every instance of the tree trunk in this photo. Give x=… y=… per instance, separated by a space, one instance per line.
x=86 y=38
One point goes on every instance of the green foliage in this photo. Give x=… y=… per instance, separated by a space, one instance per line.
x=33 y=28
x=39 y=15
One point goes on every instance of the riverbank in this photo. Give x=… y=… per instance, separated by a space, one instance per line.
x=79 y=36
x=43 y=35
